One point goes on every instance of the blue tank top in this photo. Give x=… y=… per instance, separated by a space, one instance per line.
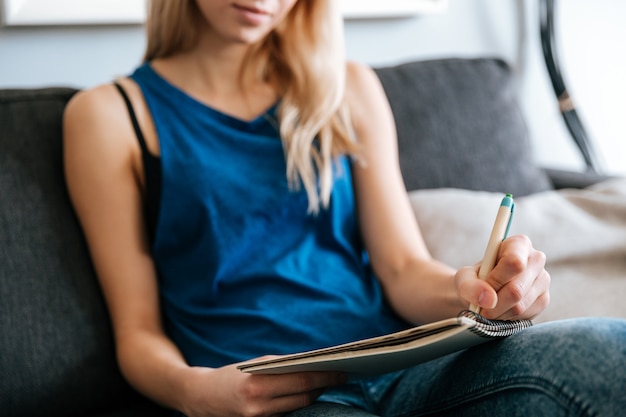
x=243 y=270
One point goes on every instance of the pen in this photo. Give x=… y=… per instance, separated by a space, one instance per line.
x=499 y=232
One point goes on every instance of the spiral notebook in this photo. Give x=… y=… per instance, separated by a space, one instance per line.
x=394 y=351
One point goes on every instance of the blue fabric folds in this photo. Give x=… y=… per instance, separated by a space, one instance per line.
x=244 y=270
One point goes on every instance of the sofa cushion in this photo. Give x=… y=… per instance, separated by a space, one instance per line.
x=56 y=350
x=459 y=126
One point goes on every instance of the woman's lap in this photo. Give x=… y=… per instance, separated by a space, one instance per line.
x=566 y=368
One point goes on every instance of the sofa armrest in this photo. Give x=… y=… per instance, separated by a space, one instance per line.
x=574 y=179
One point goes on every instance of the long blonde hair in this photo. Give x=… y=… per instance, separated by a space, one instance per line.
x=304 y=59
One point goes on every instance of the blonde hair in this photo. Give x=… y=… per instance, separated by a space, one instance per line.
x=304 y=59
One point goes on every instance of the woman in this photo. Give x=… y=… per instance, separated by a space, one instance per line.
x=220 y=205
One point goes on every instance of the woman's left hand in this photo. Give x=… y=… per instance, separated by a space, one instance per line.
x=518 y=287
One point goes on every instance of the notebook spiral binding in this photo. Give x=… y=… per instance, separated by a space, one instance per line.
x=494 y=328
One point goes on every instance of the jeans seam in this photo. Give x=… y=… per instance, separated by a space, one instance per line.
x=559 y=394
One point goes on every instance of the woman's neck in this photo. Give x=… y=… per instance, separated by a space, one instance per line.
x=216 y=78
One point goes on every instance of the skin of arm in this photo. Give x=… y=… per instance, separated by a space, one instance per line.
x=420 y=288
x=104 y=175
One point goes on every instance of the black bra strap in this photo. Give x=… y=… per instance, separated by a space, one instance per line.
x=152 y=171
x=133 y=118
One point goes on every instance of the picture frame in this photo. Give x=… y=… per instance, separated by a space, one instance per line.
x=115 y=12
x=380 y=9
x=72 y=12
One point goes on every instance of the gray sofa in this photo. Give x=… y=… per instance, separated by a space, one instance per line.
x=456 y=118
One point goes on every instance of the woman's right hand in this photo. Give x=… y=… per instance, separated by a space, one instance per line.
x=227 y=391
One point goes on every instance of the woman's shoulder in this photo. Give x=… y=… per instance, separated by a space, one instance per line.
x=359 y=75
x=365 y=95
x=362 y=83
x=103 y=104
x=92 y=104
x=98 y=116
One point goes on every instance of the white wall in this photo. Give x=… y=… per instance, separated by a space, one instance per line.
x=590 y=33
x=594 y=54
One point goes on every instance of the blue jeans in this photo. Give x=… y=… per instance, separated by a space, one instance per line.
x=565 y=368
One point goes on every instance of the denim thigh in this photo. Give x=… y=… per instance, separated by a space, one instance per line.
x=563 y=368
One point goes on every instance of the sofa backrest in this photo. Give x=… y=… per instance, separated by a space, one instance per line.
x=459 y=125
x=56 y=350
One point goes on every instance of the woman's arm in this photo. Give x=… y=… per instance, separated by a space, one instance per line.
x=105 y=176
x=102 y=167
x=420 y=288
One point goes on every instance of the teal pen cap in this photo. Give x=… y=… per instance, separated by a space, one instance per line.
x=507 y=201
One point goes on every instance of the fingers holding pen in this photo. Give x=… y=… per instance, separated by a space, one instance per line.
x=474 y=290
x=520 y=280
x=517 y=287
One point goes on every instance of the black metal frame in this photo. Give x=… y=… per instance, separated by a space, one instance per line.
x=566 y=105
